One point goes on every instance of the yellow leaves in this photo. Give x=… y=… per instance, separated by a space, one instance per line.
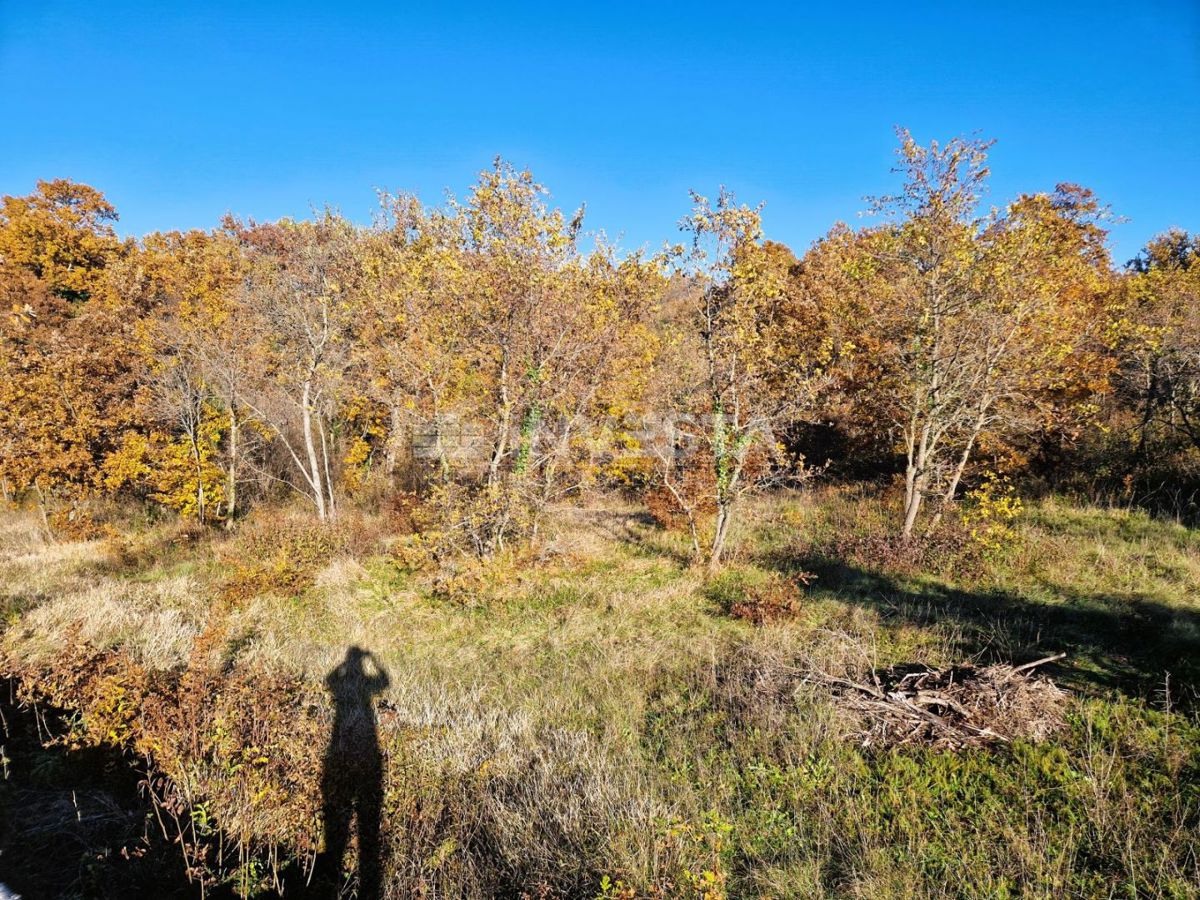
x=130 y=464
x=173 y=470
x=353 y=464
x=186 y=479
x=112 y=713
x=62 y=233
x=990 y=512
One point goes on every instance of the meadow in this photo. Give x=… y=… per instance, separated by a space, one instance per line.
x=594 y=715
x=467 y=553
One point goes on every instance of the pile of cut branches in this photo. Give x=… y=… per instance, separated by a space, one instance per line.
x=954 y=708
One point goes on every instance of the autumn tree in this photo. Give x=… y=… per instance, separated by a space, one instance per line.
x=62 y=235
x=930 y=261
x=220 y=341
x=594 y=356
x=518 y=356
x=516 y=250
x=514 y=325
x=743 y=378
x=971 y=326
x=299 y=303
x=202 y=346
x=1046 y=277
x=192 y=364
x=413 y=357
x=67 y=377
x=1156 y=329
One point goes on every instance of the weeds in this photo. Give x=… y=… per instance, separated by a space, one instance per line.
x=610 y=723
x=758 y=597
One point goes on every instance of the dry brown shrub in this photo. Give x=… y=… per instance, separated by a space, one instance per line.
x=664 y=508
x=75 y=524
x=694 y=488
x=774 y=599
x=404 y=512
x=245 y=746
x=234 y=754
x=282 y=554
x=694 y=483
x=476 y=802
x=947 y=549
x=472 y=582
x=473 y=539
x=107 y=688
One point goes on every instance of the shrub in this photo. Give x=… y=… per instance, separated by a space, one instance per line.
x=404 y=512
x=990 y=511
x=224 y=744
x=476 y=520
x=74 y=524
x=283 y=554
x=758 y=597
x=693 y=497
x=630 y=473
x=944 y=551
x=469 y=580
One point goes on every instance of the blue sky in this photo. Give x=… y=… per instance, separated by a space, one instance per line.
x=180 y=111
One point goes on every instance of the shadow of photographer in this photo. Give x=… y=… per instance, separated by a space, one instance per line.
x=352 y=779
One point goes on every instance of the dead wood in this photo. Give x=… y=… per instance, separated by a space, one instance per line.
x=952 y=708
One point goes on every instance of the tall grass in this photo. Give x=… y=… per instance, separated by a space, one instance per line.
x=594 y=722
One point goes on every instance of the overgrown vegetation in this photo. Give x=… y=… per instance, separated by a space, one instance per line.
x=566 y=571
x=611 y=722
x=490 y=359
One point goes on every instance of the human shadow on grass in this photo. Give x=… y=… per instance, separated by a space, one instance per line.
x=352 y=779
x=1113 y=641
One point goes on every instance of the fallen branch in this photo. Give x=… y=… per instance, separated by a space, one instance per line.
x=951 y=708
x=1029 y=666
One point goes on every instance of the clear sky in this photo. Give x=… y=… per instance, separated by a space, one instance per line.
x=182 y=111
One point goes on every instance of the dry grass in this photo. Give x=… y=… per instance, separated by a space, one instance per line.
x=595 y=711
x=52 y=589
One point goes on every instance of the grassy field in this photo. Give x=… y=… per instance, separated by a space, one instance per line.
x=593 y=722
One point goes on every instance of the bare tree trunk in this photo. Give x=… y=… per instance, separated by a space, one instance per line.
x=549 y=471
x=724 y=514
x=727 y=497
x=231 y=475
x=314 y=468
x=44 y=508
x=439 y=445
x=192 y=437
x=1148 y=410
x=688 y=511
x=393 y=438
x=914 y=479
x=501 y=445
x=952 y=488
x=328 y=476
x=912 y=506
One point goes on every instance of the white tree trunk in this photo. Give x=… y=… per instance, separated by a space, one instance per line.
x=313 y=474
